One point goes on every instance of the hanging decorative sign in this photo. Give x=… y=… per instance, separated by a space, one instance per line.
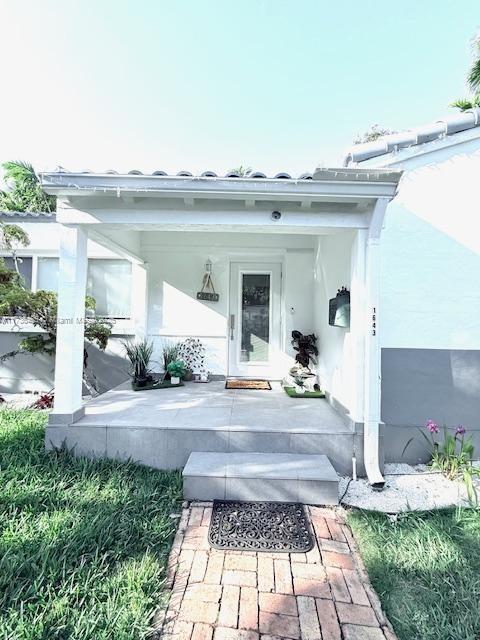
x=208 y=290
x=339 y=309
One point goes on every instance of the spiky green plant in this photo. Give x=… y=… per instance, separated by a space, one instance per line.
x=170 y=353
x=139 y=354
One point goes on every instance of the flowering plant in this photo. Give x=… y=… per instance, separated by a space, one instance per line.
x=452 y=456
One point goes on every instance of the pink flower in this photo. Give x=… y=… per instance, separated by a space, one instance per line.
x=460 y=430
x=432 y=426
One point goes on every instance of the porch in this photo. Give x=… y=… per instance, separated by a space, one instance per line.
x=160 y=428
x=280 y=250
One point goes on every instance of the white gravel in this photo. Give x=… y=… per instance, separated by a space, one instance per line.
x=18 y=400
x=407 y=488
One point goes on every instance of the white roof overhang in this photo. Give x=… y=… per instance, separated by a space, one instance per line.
x=327 y=185
x=330 y=199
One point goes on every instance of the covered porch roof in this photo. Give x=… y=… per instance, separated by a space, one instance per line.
x=114 y=208
x=327 y=199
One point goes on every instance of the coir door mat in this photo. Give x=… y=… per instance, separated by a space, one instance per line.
x=260 y=526
x=259 y=385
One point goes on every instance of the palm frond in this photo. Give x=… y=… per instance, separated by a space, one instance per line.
x=474 y=76
x=24 y=191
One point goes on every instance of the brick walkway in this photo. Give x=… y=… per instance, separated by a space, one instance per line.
x=324 y=594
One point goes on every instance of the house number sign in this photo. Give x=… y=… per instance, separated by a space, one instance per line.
x=374 y=321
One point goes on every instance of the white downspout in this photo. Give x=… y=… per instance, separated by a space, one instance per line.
x=372 y=388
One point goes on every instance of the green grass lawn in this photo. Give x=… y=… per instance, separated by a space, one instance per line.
x=83 y=545
x=426 y=570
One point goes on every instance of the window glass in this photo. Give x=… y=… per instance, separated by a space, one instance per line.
x=47 y=274
x=108 y=281
x=25 y=268
x=255 y=317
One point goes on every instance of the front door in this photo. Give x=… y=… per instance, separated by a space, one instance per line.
x=254 y=319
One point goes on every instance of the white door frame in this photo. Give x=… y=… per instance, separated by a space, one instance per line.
x=274 y=268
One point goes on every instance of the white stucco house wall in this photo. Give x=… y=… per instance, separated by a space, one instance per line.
x=405 y=245
x=430 y=296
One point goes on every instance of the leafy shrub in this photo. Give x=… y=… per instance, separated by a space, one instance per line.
x=176 y=368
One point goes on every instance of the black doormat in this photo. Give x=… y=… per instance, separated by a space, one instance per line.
x=260 y=526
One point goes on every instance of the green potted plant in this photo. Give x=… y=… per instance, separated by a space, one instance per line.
x=176 y=369
x=139 y=354
x=170 y=353
x=299 y=385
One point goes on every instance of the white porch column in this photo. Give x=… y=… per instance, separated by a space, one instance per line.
x=70 y=330
x=372 y=397
x=140 y=299
x=357 y=324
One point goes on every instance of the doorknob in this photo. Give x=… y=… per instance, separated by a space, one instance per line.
x=232 y=326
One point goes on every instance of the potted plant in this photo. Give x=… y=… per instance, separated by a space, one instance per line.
x=139 y=354
x=176 y=369
x=299 y=385
x=192 y=352
x=170 y=353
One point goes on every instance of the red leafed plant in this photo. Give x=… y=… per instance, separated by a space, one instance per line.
x=45 y=401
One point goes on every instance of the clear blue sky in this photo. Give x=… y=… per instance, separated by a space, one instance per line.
x=151 y=84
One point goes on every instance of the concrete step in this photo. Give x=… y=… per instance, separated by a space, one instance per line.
x=276 y=477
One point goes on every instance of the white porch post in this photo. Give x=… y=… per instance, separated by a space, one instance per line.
x=70 y=330
x=357 y=324
x=139 y=299
x=372 y=397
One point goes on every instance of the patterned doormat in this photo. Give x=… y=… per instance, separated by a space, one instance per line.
x=259 y=385
x=260 y=526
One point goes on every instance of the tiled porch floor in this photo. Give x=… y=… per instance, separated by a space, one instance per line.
x=161 y=428
x=200 y=406
x=232 y=595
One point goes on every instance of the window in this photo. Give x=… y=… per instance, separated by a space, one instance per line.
x=24 y=266
x=47 y=274
x=108 y=281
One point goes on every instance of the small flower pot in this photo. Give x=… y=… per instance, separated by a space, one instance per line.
x=174 y=380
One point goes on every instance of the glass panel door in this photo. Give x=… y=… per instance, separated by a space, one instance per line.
x=254 y=321
x=255 y=318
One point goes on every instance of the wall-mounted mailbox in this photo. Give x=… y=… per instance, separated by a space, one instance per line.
x=339 y=309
